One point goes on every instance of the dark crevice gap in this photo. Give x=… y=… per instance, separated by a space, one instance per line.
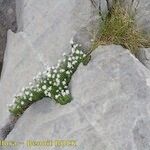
x=8 y=20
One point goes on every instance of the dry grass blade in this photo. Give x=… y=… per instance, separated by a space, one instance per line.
x=119 y=27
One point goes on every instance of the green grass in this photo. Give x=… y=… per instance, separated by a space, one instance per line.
x=119 y=27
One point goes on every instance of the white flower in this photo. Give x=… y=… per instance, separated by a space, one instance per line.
x=44 y=81
x=55 y=71
x=71 y=41
x=84 y=55
x=74 y=62
x=53 y=76
x=63 y=93
x=27 y=92
x=58 y=83
x=50 y=88
x=53 y=67
x=66 y=87
x=67 y=92
x=69 y=65
x=73 y=50
x=64 y=54
x=67 y=72
x=31 y=94
x=63 y=82
x=50 y=82
x=45 y=92
x=57 y=80
x=24 y=97
x=77 y=57
x=40 y=90
x=81 y=52
x=58 y=75
x=55 y=84
x=77 y=51
x=22 y=102
x=49 y=75
x=69 y=58
x=56 y=96
x=30 y=99
x=49 y=94
x=30 y=83
x=23 y=89
x=62 y=70
x=44 y=87
x=75 y=46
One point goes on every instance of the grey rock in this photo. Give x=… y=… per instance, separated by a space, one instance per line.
x=7 y=21
x=46 y=28
x=143 y=13
x=141 y=8
x=110 y=108
x=7 y=127
x=144 y=56
x=86 y=35
x=141 y=134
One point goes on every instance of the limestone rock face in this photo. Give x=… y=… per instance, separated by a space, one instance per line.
x=144 y=56
x=46 y=28
x=7 y=21
x=110 y=108
x=111 y=95
x=142 y=12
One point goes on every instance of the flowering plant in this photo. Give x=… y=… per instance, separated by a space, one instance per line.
x=52 y=83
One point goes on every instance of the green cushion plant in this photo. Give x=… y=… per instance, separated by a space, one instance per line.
x=52 y=83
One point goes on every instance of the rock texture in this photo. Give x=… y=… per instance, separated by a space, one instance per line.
x=46 y=28
x=143 y=21
x=142 y=12
x=110 y=109
x=7 y=21
x=144 y=57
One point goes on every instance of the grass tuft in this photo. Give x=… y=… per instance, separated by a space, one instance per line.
x=119 y=27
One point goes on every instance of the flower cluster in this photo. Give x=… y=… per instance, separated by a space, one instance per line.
x=53 y=83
